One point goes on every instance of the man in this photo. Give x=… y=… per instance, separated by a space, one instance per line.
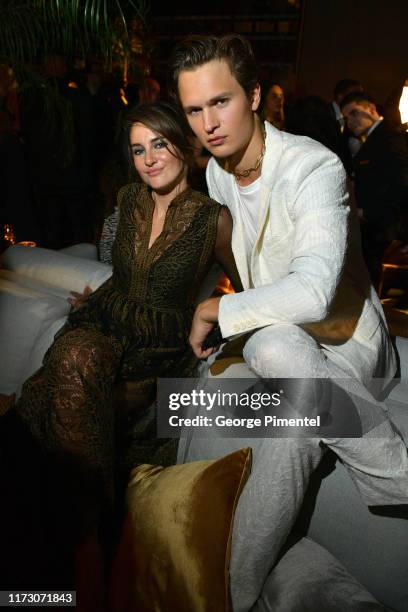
x=342 y=89
x=349 y=143
x=306 y=300
x=381 y=176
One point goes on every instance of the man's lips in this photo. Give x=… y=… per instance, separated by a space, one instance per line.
x=217 y=140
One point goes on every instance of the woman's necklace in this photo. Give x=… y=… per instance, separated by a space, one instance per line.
x=258 y=162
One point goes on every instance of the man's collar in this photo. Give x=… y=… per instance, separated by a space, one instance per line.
x=337 y=111
x=273 y=153
x=372 y=128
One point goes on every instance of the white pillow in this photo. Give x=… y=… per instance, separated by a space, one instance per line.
x=83 y=249
x=55 y=268
x=32 y=283
x=24 y=316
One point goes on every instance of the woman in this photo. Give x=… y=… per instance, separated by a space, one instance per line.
x=135 y=326
x=273 y=106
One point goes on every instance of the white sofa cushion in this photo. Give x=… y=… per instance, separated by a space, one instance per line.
x=371 y=546
x=83 y=249
x=55 y=268
x=31 y=283
x=25 y=314
x=308 y=578
x=397 y=400
x=401 y=345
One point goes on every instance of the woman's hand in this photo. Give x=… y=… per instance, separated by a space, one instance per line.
x=78 y=298
x=204 y=320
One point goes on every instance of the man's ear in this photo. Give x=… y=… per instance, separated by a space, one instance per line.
x=256 y=97
x=373 y=109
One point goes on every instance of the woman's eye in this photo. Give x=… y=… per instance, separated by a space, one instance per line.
x=160 y=144
x=137 y=152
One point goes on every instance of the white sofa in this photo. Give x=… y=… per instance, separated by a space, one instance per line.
x=34 y=285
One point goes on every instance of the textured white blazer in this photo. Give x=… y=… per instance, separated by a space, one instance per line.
x=306 y=266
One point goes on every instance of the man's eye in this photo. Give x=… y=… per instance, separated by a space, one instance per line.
x=193 y=112
x=222 y=102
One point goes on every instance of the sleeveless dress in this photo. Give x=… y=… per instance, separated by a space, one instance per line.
x=149 y=302
x=135 y=327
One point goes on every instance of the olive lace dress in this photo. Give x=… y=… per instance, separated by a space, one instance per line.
x=58 y=453
x=135 y=327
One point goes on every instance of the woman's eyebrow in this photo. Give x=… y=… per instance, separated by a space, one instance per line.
x=138 y=144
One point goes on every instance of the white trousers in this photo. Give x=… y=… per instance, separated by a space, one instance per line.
x=282 y=467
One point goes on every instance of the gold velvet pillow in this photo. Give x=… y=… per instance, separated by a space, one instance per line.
x=175 y=546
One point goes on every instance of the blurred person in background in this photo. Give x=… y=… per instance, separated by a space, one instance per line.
x=381 y=177
x=273 y=105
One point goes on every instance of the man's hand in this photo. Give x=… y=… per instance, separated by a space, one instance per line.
x=77 y=298
x=205 y=318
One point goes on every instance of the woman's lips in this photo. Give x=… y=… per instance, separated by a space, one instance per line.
x=216 y=141
x=154 y=172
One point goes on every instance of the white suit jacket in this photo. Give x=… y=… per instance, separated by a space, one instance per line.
x=306 y=266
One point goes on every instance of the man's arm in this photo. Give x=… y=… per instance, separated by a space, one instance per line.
x=204 y=320
x=320 y=212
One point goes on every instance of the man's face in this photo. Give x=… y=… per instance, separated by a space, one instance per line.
x=360 y=116
x=217 y=108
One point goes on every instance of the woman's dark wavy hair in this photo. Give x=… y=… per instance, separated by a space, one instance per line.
x=195 y=51
x=168 y=121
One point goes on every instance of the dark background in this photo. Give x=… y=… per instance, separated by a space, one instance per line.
x=307 y=45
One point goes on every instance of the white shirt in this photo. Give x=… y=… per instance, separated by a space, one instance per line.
x=338 y=115
x=248 y=200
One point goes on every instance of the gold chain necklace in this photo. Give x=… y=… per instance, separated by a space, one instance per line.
x=245 y=173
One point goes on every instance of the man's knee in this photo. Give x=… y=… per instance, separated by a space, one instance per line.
x=278 y=350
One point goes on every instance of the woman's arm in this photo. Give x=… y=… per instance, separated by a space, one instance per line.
x=206 y=314
x=223 y=251
x=77 y=299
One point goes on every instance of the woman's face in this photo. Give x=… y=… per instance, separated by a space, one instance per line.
x=156 y=160
x=274 y=99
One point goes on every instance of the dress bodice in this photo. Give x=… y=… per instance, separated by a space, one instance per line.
x=169 y=273
x=148 y=303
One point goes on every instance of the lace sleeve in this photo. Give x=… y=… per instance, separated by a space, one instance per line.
x=223 y=250
x=108 y=236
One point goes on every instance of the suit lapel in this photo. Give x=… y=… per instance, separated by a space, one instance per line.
x=270 y=167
